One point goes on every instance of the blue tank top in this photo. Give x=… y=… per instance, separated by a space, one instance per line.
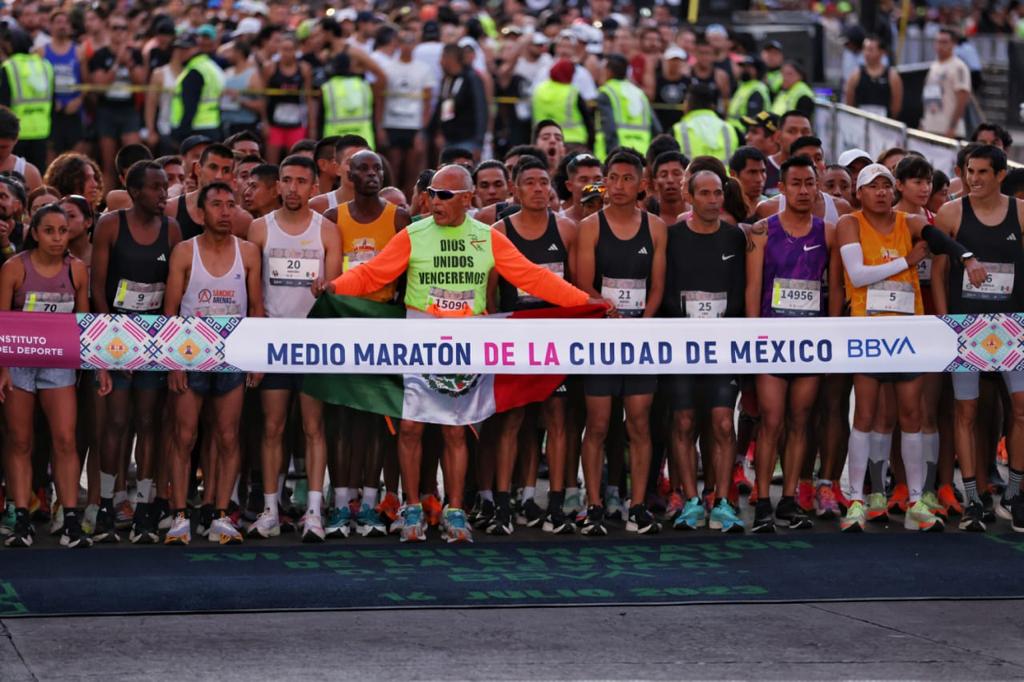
x=67 y=73
x=794 y=268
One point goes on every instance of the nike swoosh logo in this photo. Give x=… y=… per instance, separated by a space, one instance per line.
x=724 y=257
x=811 y=248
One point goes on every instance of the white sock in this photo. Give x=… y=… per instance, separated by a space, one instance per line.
x=280 y=484
x=487 y=495
x=120 y=497
x=857 y=462
x=931 y=459
x=315 y=499
x=270 y=503
x=878 y=460
x=143 y=490
x=107 y=483
x=342 y=496
x=234 y=491
x=912 y=445
x=369 y=497
x=611 y=491
x=528 y=492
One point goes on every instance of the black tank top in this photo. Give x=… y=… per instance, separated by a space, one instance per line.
x=133 y=263
x=189 y=227
x=999 y=249
x=669 y=92
x=622 y=268
x=548 y=251
x=706 y=273
x=711 y=83
x=282 y=110
x=873 y=91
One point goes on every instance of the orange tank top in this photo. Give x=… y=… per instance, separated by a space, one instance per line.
x=899 y=294
x=363 y=241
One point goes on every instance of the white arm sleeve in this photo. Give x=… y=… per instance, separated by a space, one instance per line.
x=862 y=275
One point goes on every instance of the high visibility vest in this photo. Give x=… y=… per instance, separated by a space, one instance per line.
x=703 y=133
x=774 y=81
x=632 y=113
x=558 y=102
x=348 y=107
x=30 y=78
x=786 y=99
x=208 y=114
x=739 y=101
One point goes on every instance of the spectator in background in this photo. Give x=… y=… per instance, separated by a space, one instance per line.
x=239 y=111
x=795 y=95
x=705 y=71
x=947 y=89
x=291 y=118
x=70 y=70
x=407 y=110
x=557 y=99
x=671 y=83
x=875 y=87
x=460 y=118
x=26 y=86
x=993 y=134
x=625 y=117
x=773 y=58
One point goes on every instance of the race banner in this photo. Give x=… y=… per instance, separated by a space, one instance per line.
x=501 y=345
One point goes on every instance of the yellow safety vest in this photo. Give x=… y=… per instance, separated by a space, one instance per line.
x=632 y=127
x=738 y=102
x=558 y=102
x=208 y=114
x=348 y=108
x=31 y=82
x=786 y=100
x=703 y=133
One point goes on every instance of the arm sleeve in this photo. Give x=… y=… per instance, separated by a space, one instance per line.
x=607 y=121
x=530 y=277
x=384 y=268
x=940 y=242
x=862 y=275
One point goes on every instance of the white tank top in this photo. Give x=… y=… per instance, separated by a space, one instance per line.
x=831 y=212
x=209 y=296
x=19 y=165
x=163 y=116
x=290 y=264
x=332 y=200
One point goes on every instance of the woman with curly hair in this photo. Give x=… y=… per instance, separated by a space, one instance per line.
x=74 y=173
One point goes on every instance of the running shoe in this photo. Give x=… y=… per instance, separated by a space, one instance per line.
x=369 y=523
x=180 y=532
x=973 y=518
x=989 y=505
x=143 y=530
x=501 y=522
x=805 y=496
x=339 y=523
x=530 y=514
x=235 y=514
x=641 y=521
x=725 y=519
x=313 y=528
x=253 y=504
x=932 y=500
x=558 y=523
x=224 y=532
x=484 y=515
x=613 y=507
x=432 y=509
x=8 y=520
x=657 y=502
x=753 y=497
x=825 y=502
x=1017 y=508
x=206 y=514
x=389 y=508
x=790 y=511
x=456 y=529
x=56 y=519
x=899 y=500
x=593 y=524
x=573 y=504
x=837 y=490
x=920 y=518
x=266 y=525
x=947 y=496
x=1004 y=508
x=878 y=508
x=37 y=510
x=675 y=506
x=124 y=515
x=22 y=534
x=72 y=535
x=764 y=517
x=104 y=530
x=88 y=519
x=740 y=480
x=692 y=515
x=413 y=527
x=855 y=518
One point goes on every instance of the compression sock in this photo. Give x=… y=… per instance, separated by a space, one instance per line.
x=487 y=495
x=143 y=491
x=555 y=499
x=370 y=496
x=502 y=500
x=315 y=499
x=1013 y=484
x=857 y=461
x=971 y=491
x=610 y=492
x=342 y=496
x=912 y=445
x=931 y=459
x=270 y=504
x=878 y=460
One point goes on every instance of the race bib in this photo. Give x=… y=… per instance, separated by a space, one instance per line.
x=64 y=82
x=48 y=302
x=447 y=110
x=363 y=251
x=704 y=304
x=445 y=303
x=796 y=297
x=288 y=114
x=932 y=95
x=924 y=271
x=628 y=295
x=219 y=310
x=139 y=297
x=291 y=268
x=891 y=297
x=557 y=268
x=998 y=285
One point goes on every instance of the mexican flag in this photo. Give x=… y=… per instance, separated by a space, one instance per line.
x=450 y=399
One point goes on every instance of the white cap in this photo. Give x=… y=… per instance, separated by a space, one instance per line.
x=252 y=7
x=247 y=26
x=716 y=30
x=872 y=171
x=595 y=48
x=347 y=14
x=675 y=52
x=539 y=38
x=466 y=41
x=568 y=34
x=851 y=155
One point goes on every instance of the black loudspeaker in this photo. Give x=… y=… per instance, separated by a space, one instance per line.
x=800 y=34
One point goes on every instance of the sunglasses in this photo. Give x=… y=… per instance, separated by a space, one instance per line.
x=445 y=194
x=578 y=159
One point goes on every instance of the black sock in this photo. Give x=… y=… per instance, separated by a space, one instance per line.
x=70 y=514
x=502 y=500
x=20 y=512
x=555 y=500
x=106 y=503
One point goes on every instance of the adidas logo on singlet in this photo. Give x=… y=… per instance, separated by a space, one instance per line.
x=553 y=247
x=642 y=251
x=161 y=259
x=1012 y=238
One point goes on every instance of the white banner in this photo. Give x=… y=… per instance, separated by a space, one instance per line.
x=850 y=129
x=883 y=134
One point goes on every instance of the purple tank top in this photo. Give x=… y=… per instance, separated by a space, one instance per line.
x=794 y=268
x=39 y=294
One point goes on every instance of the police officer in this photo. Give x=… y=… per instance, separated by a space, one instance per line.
x=752 y=96
x=28 y=89
x=702 y=132
x=557 y=99
x=348 y=102
x=195 y=108
x=795 y=95
x=625 y=118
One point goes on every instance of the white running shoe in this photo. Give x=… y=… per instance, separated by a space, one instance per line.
x=180 y=532
x=313 y=528
x=266 y=525
x=224 y=532
x=56 y=519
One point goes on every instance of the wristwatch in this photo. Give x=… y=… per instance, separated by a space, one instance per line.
x=966 y=255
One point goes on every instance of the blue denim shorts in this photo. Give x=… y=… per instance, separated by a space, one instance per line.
x=34 y=379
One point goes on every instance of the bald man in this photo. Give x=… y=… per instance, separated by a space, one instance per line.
x=449 y=258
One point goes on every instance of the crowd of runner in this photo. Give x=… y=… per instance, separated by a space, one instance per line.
x=656 y=173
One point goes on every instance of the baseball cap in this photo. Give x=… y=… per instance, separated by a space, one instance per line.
x=594 y=191
x=365 y=16
x=873 y=171
x=164 y=26
x=772 y=45
x=539 y=38
x=193 y=141
x=184 y=41
x=252 y=7
x=851 y=155
x=764 y=119
x=248 y=26
x=675 y=52
x=716 y=30
x=207 y=31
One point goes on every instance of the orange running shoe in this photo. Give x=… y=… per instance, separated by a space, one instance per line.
x=431 y=509
x=1001 y=456
x=675 y=505
x=899 y=499
x=740 y=480
x=389 y=507
x=752 y=497
x=841 y=499
x=805 y=496
x=947 y=498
